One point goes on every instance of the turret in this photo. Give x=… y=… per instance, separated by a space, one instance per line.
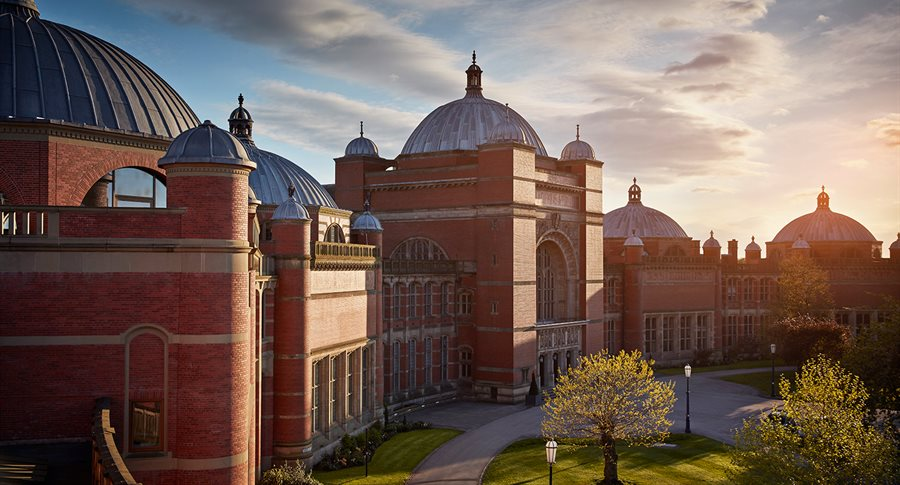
x=752 y=253
x=712 y=250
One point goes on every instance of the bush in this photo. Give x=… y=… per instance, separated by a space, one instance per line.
x=352 y=450
x=703 y=358
x=289 y=474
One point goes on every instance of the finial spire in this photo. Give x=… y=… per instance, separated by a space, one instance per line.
x=367 y=203
x=710 y=234
x=634 y=180
x=507 y=111
x=822 y=199
x=241 y=100
x=360 y=129
x=473 y=56
x=577 y=132
x=634 y=192
x=473 y=79
x=291 y=190
x=752 y=238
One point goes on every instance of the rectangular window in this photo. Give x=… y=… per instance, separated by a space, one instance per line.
x=386 y=302
x=764 y=289
x=611 y=336
x=731 y=329
x=650 y=330
x=495 y=308
x=334 y=391
x=365 y=380
x=428 y=361
x=702 y=332
x=429 y=294
x=146 y=425
x=465 y=364
x=684 y=333
x=446 y=299
x=411 y=364
x=748 y=290
x=316 y=407
x=395 y=367
x=668 y=331
x=731 y=290
x=395 y=311
x=465 y=303
x=445 y=356
x=351 y=383
x=611 y=293
x=748 y=326
x=412 y=300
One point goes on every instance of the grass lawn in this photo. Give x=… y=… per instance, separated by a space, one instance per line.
x=761 y=381
x=695 y=459
x=748 y=364
x=393 y=461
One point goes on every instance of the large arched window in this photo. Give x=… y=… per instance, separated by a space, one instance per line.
x=127 y=187
x=334 y=233
x=551 y=282
x=419 y=249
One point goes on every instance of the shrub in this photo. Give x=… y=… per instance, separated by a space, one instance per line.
x=289 y=474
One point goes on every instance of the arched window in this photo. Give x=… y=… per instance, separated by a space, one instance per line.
x=419 y=249
x=334 y=233
x=127 y=187
x=551 y=282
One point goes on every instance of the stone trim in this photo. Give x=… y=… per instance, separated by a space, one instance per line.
x=181 y=339
x=42 y=130
x=191 y=464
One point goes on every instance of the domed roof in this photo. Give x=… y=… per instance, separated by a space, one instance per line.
x=824 y=225
x=577 y=149
x=361 y=145
x=633 y=240
x=800 y=243
x=275 y=173
x=56 y=72
x=635 y=216
x=206 y=143
x=240 y=113
x=896 y=244
x=506 y=131
x=711 y=243
x=752 y=246
x=290 y=209
x=366 y=221
x=466 y=123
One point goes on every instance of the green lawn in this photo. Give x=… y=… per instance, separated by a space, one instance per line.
x=748 y=364
x=761 y=381
x=393 y=461
x=695 y=459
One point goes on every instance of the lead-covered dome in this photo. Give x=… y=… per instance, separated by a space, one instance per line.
x=361 y=146
x=824 y=225
x=638 y=219
x=577 y=149
x=206 y=143
x=274 y=174
x=466 y=123
x=53 y=71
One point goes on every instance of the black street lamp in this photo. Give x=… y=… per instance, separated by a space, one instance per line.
x=687 y=378
x=772 y=349
x=551 y=457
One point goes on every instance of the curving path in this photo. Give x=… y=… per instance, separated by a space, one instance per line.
x=717 y=408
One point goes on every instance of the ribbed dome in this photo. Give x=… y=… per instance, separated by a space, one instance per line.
x=577 y=149
x=361 y=145
x=800 y=243
x=366 y=222
x=290 y=210
x=506 y=131
x=711 y=243
x=824 y=225
x=752 y=246
x=466 y=123
x=275 y=173
x=646 y=222
x=206 y=143
x=52 y=71
x=633 y=240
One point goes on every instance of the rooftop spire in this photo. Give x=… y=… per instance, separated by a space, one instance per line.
x=291 y=190
x=240 y=123
x=241 y=100
x=578 y=136
x=634 y=192
x=822 y=200
x=360 y=129
x=367 y=203
x=507 y=111
x=473 y=76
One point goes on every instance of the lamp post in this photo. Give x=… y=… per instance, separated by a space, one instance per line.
x=687 y=378
x=772 y=349
x=551 y=457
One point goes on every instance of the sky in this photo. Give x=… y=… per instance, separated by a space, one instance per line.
x=731 y=113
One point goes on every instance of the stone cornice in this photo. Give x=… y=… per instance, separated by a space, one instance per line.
x=426 y=184
x=32 y=129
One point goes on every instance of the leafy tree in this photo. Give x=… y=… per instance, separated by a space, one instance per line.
x=610 y=398
x=800 y=337
x=822 y=435
x=803 y=289
x=289 y=474
x=875 y=358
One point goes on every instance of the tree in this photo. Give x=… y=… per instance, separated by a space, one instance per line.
x=800 y=337
x=875 y=358
x=610 y=398
x=822 y=435
x=803 y=289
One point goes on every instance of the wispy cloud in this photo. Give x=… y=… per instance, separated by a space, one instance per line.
x=887 y=129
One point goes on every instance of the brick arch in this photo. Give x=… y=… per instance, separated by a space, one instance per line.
x=145 y=378
x=11 y=189
x=568 y=249
x=90 y=173
x=419 y=248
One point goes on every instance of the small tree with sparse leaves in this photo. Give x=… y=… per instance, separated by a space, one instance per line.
x=821 y=436
x=610 y=398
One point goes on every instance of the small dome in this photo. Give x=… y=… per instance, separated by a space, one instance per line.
x=752 y=246
x=206 y=143
x=55 y=72
x=896 y=244
x=577 y=149
x=290 y=209
x=800 y=243
x=711 y=243
x=240 y=123
x=824 y=225
x=506 y=131
x=366 y=221
x=361 y=146
x=240 y=113
x=466 y=123
x=633 y=240
x=635 y=216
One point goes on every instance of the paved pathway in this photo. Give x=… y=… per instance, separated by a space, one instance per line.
x=717 y=408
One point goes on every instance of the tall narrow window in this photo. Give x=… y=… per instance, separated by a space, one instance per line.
x=702 y=332
x=445 y=355
x=748 y=326
x=748 y=289
x=765 y=288
x=684 y=333
x=334 y=391
x=465 y=303
x=365 y=380
x=429 y=357
x=396 y=300
x=395 y=367
x=351 y=384
x=611 y=292
x=545 y=285
x=411 y=364
x=446 y=299
x=316 y=397
x=611 y=336
x=465 y=363
x=386 y=302
x=412 y=300
x=731 y=329
x=429 y=294
x=650 y=330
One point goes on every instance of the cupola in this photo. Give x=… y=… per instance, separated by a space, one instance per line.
x=240 y=123
x=578 y=149
x=711 y=242
x=361 y=146
x=506 y=131
x=290 y=209
x=207 y=143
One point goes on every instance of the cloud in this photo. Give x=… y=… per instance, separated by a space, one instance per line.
x=335 y=37
x=781 y=112
x=887 y=129
x=702 y=62
x=823 y=19
x=709 y=190
x=855 y=163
